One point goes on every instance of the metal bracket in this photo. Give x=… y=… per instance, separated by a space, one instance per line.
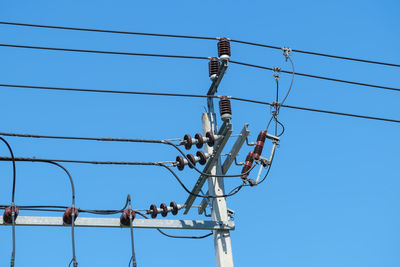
x=229 y=159
x=225 y=131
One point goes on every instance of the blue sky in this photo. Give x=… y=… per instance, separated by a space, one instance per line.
x=332 y=195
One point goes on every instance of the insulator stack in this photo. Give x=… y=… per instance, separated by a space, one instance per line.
x=7 y=216
x=224 y=49
x=225 y=108
x=213 y=67
x=67 y=217
x=259 y=145
x=247 y=165
x=124 y=219
x=163 y=210
x=199 y=140
x=191 y=160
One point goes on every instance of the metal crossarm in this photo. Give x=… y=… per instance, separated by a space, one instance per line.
x=115 y=223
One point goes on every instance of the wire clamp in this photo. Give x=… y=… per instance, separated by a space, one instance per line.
x=286 y=52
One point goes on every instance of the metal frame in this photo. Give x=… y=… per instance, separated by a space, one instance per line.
x=229 y=160
x=115 y=223
x=225 y=132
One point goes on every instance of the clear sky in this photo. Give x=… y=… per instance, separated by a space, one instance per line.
x=332 y=196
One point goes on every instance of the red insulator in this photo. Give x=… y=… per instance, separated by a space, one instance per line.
x=7 y=216
x=224 y=47
x=192 y=160
x=67 y=217
x=225 y=108
x=153 y=211
x=211 y=139
x=188 y=143
x=260 y=144
x=202 y=157
x=164 y=208
x=200 y=140
x=124 y=219
x=181 y=163
x=213 y=66
x=247 y=165
x=174 y=208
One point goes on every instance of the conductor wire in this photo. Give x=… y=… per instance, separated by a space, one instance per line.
x=12 y=261
x=175 y=236
x=194 y=37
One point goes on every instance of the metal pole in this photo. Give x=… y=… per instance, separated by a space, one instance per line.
x=219 y=212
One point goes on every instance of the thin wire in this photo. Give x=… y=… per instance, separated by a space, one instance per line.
x=107 y=31
x=101 y=51
x=237 y=189
x=192 y=57
x=127 y=163
x=176 y=236
x=12 y=261
x=317 y=77
x=104 y=91
x=195 y=37
x=205 y=96
x=291 y=83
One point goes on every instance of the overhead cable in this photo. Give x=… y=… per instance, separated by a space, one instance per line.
x=196 y=37
x=184 y=95
x=100 y=51
x=192 y=57
x=317 y=77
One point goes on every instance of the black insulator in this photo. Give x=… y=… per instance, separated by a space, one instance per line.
x=153 y=211
x=225 y=108
x=7 y=216
x=213 y=67
x=247 y=165
x=200 y=140
x=181 y=163
x=202 y=157
x=124 y=219
x=174 y=208
x=192 y=160
x=164 y=208
x=211 y=139
x=224 y=47
x=188 y=143
x=67 y=217
x=260 y=144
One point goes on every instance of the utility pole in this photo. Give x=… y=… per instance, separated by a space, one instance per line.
x=219 y=211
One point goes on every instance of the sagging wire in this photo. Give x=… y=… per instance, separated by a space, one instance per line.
x=137 y=163
x=176 y=236
x=73 y=212
x=13 y=211
x=275 y=108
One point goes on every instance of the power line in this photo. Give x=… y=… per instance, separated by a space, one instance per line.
x=318 y=54
x=104 y=91
x=317 y=77
x=196 y=37
x=171 y=94
x=108 y=31
x=193 y=57
x=33 y=159
x=100 y=51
